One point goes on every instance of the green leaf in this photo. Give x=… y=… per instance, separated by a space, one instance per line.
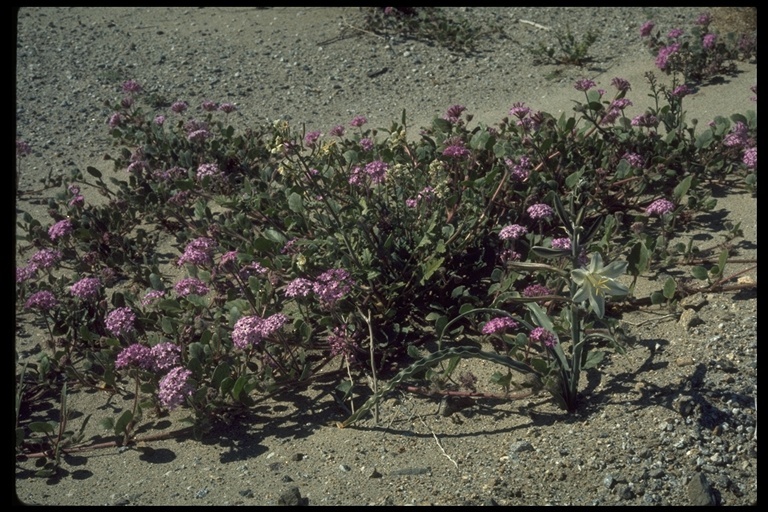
x=638 y=258
x=669 y=288
x=721 y=261
x=657 y=298
x=704 y=139
x=682 y=188
x=122 y=422
x=414 y=352
x=699 y=272
x=480 y=140
x=593 y=359
x=93 y=172
x=226 y=385
x=222 y=371
x=295 y=203
x=42 y=427
x=238 y=387
x=430 y=268
x=573 y=179
x=548 y=252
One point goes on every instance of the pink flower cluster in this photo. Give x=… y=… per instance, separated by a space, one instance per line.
x=512 y=232
x=660 y=207
x=543 y=336
x=540 y=211
x=250 y=330
x=198 y=252
x=175 y=387
x=42 y=300
x=87 y=288
x=60 y=229
x=536 y=290
x=499 y=324
x=120 y=321
x=190 y=285
x=664 y=54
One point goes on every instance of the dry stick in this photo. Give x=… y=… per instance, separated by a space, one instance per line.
x=542 y=27
x=111 y=444
x=373 y=368
x=439 y=445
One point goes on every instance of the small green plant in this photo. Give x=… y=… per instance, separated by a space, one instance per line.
x=445 y=26
x=569 y=50
x=222 y=266
x=699 y=53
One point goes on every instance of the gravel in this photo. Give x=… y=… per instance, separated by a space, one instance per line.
x=672 y=422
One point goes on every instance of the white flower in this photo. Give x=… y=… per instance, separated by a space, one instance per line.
x=596 y=281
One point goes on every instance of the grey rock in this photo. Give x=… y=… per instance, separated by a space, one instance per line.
x=699 y=491
x=291 y=497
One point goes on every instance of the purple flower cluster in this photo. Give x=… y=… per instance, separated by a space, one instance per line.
x=537 y=290
x=646 y=28
x=120 y=321
x=332 y=285
x=584 y=84
x=179 y=106
x=456 y=151
x=663 y=56
x=738 y=137
x=375 y=170
x=115 y=120
x=499 y=324
x=45 y=258
x=175 y=387
x=512 y=232
x=190 y=285
x=299 y=287
x=250 y=330
x=209 y=106
x=681 y=91
x=750 y=158
x=634 y=159
x=310 y=139
x=366 y=144
x=165 y=356
x=207 y=170
x=453 y=115
x=131 y=86
x=23 y=148
x=42 y=300
x=660 y=207
x=358 y=121
x=87 y=288
x=227 y=108
x=708 y=41
x=25 y=273
x=622 y=84
x=561 y=243
x=151 y=296
x=539 y=211
x=135 y=355
x=426 y=194
x=520 y=171
x=519 y=110
x=543 y=336
x=647 y=119
x=675 y=33
x=199 y=136
x=337 y=131
x=60 y=229
x=340 y=342
x=198 y=252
